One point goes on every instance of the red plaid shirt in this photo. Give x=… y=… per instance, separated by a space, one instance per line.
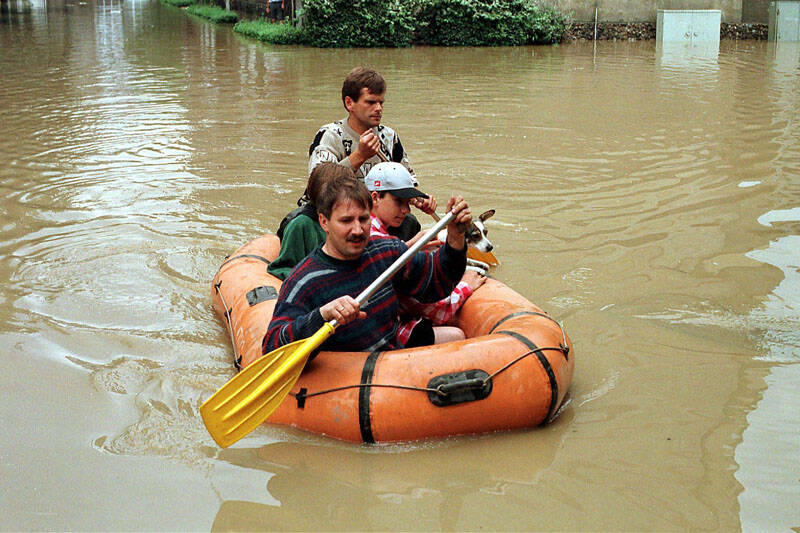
x=378 y=228
x=439 y=313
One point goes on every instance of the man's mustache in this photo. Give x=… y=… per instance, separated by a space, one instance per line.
x=356 y=238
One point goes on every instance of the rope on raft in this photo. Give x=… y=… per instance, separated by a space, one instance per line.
x=237 y=361
x=302 y=395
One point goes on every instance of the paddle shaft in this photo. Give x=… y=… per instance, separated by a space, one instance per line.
x=400 y=262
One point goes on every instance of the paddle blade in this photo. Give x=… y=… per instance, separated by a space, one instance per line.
x=245 y=401
x=485 y=257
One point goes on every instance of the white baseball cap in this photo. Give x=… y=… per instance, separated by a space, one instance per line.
x=393 y=178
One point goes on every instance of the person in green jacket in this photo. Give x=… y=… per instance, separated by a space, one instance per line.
x=299 y=231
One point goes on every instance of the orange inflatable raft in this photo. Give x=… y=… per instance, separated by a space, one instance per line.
x=511 y=372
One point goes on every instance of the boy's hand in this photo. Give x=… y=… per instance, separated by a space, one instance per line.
x=433 y=243
x=473 y=279
x=426 y=205
x=457 y=228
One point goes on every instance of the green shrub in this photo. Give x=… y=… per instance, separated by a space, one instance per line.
x=546 y=25
x=488 y=22
x=264 y=30
x=213 y=13
x=180 y=3
x=358 y=23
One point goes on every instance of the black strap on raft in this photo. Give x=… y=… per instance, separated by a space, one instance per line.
x=564 y=346
x=545 y=364
x=261 y=294
x=364 y=421
x=301 y=397
x=245 y=256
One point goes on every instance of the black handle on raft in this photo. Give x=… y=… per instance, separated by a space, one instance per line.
x=459 y=387
x=445 y=389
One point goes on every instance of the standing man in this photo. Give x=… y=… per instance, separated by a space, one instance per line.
x=355 y=140
x=275 y=10
x=325 y=284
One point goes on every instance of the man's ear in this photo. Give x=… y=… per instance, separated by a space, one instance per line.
x=348 y=103
x=375 y=197
x=323 y=222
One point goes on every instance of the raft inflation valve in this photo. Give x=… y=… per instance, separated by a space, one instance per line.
x=459 y=387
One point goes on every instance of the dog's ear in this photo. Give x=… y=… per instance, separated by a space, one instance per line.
x=486 y=215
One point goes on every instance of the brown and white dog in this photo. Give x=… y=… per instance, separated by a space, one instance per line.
x=476 y=238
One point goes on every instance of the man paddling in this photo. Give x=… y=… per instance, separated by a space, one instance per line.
x=323 y=287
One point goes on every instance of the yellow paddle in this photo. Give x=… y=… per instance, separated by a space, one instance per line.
x=245 y=401
x=472 y=252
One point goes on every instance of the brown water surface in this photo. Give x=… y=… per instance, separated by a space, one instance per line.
x=648 y=197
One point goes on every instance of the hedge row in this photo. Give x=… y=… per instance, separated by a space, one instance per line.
x=368 y=23
x=396 y=23
x=488 y=23
x=359 y=23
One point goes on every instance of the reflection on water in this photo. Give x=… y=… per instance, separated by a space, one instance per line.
x=769 y=454
x=419 y=487
x=688 y=57
x=648 y=197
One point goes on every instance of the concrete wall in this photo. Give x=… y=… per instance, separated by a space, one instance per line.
x=643 y=10
x=755 y=11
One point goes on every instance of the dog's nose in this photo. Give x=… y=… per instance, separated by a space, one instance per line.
x=489 y=248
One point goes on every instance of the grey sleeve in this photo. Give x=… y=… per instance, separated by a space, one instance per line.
x=328 y=148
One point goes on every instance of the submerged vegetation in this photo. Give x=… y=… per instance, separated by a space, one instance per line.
x=397 y=23
x=180 y=3
x=264 y=30
x=213 y=13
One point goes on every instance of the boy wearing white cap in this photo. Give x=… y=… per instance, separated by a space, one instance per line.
x=393 y=189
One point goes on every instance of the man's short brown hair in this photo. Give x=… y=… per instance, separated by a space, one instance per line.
x=323 y=174
x=361 y=77
x=344 y=186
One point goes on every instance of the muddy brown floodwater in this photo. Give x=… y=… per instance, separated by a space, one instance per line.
x=648 y=197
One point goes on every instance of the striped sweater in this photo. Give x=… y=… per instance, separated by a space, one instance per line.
x=428 y=276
